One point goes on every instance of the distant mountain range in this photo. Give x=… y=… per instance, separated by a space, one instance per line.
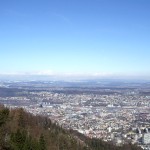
x=72 y=77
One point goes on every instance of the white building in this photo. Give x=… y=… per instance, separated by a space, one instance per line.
x=146 y=138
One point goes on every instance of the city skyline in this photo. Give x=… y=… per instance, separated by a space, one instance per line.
x=95 y=39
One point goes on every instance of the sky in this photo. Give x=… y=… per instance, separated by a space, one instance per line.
x=75 y=37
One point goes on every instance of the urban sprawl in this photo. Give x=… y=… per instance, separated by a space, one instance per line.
x=119 y=113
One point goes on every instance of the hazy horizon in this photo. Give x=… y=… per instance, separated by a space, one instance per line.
x=72 y=77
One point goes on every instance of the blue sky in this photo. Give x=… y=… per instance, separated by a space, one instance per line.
x=102 y=37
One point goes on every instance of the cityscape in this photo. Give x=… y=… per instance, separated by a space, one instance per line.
x=113 y=111
x=74 y=74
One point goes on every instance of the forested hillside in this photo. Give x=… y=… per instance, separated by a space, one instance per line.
x=20 y=130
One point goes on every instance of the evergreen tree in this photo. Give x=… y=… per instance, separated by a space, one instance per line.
x=4 y=114
x=42 y=143
x=21 y=118
x=18 y=140
x=28 y=144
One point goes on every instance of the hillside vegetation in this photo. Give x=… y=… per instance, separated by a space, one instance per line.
x=20 y=130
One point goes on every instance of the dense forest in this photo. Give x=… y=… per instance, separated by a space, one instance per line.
x=20 y=130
